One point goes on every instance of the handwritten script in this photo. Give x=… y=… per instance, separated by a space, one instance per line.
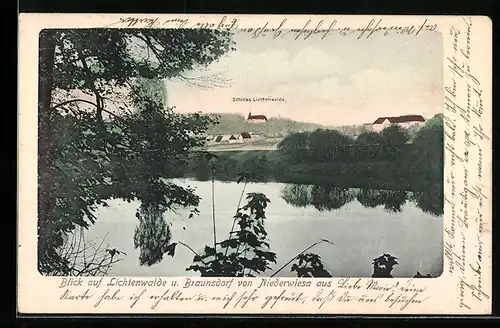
x=465 y=136
x=263 y=293
x=466 y=177
x=310 y=28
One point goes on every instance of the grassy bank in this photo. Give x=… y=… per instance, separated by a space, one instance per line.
x=268 y=165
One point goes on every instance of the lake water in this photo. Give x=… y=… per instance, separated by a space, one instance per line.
x=363 y=224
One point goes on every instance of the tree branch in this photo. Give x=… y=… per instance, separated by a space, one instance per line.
x=213 y=80
x=189 y=247
x=84 y=101
x=305 y=250
x=98 y=98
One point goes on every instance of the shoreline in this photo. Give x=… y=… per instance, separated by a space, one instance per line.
x=267 y=164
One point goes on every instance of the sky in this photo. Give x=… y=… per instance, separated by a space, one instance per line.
x=336 y=81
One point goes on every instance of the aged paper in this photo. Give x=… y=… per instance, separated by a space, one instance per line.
x=349 y=170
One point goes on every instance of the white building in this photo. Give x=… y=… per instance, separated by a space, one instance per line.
x=404 y=121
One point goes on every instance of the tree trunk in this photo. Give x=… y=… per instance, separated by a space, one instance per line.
x=45 y=197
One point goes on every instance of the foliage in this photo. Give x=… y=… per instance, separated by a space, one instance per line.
x=394 y=135
x=429 y=150
x=412 y=131
x=106 y=132
x=246 y=253
x=375 y=160
x=383 y=265
x=310 y=266
x=394 y=140
x=324 y=144
x=294 y=147
x=375 y=175
x=369 y=138
x=425 y=162
x=104 y=59
x=103 y=132
x=436 y=120
x=248 y=246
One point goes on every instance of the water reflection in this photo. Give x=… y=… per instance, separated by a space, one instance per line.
x=430 y=202
x=297 y=195
x=325 y=198
x=392 y=200
x=151 y=235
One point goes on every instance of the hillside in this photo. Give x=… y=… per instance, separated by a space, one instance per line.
x=274 y=127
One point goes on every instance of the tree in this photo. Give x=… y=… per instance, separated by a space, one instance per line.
x=369 y=138
x=368 y=144
x=294 y=147
x=394 y=135
x=426 y=159
x=326 y=145
x=412 y=131
x=435 y=120
x=395 y=139
x=102 y=133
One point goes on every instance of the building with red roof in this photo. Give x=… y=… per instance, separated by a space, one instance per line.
x=404 y=121
x=256 y=118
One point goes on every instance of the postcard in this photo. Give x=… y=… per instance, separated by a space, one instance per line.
x=254 y=164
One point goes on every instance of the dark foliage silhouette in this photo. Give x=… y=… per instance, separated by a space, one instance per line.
x=383 y=265
x=309 y=266
x=248 y=248
x=102 y=136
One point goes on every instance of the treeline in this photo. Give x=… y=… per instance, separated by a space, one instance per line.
x=326 y=145
x=420 y=159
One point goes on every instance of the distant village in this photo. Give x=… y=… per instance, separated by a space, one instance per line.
x=241 y=137
x=235 y=138
x=405 y=121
